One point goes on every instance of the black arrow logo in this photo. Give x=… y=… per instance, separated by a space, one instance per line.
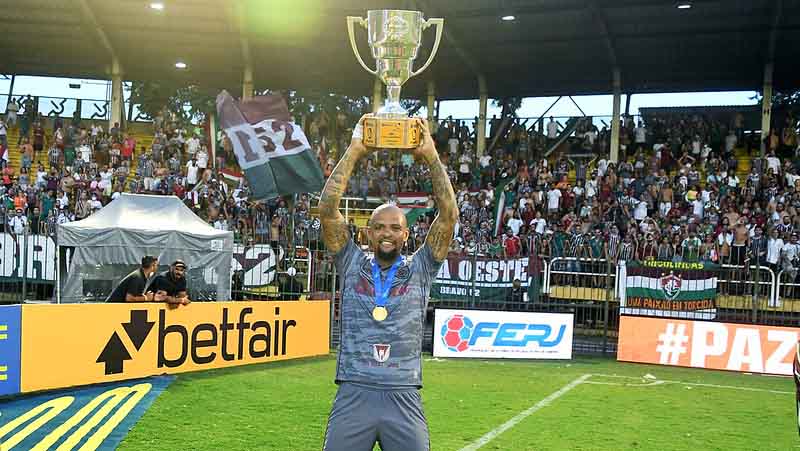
x=113 y=355
x=138 y=328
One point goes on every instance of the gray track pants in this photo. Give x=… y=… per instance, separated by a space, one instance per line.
x=362 y=416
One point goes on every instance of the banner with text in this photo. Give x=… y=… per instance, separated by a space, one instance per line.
x=502 y=335
x=705 y=344
x=38 y=263
x=668 y=289
x=30 y=256
x=111 y=342
x=493 y=278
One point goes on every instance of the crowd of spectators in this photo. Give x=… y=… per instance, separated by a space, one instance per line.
x=87 y=167
x=678 y=192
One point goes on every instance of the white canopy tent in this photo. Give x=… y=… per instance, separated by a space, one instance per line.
x=96 y=252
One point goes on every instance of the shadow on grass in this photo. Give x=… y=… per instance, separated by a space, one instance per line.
x=252 y=368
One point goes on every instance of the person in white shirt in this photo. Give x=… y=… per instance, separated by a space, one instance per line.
x=552 y=129
x=463 y=168
x=640 y=212
x=641 y=134
x=452 y=145
x=202 y=157
x=485 y=160
x=539 y=224
x=64 y=216
x=85 y=152
x=95 y=203
x=63 y=201
x=525 y=200
x=730 y=141
x=733 y=180
x=790 y=253
x=105 y=181
x=774 y=247
x=591 y=187
x=192 y=146
x=515 y=223
x=191 y=173
x=3 y=133
x=791 y=177
x=18 y=223
x=602 y=167
x=11 y=109
x=221 y=224
x=578 y=191
x=705 y=152
x=553 y=200
x=773 y=163
x=698 y=206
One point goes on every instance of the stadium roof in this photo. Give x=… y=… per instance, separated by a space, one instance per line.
x=552 y=47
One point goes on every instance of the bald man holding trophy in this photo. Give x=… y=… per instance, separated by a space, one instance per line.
x=385 y=294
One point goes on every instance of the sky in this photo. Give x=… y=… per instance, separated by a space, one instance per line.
x=600 y=105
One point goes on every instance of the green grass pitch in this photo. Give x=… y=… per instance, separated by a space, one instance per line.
x=284 y=407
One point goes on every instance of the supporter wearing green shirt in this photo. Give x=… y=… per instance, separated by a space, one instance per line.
x=69 y=155
x=47 y=204
x=495 y=248
x=426 y=185
x=691 y=248
x=557 y=243
x=596 y=244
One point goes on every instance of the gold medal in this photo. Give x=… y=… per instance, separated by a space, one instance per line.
x=380 y=313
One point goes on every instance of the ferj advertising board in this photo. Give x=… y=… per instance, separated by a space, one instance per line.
x=507 y=335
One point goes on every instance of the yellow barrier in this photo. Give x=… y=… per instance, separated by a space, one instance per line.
x=68 y=345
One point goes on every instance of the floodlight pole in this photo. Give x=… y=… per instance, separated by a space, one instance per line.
x=766 y=108
x=116 y=94
x=480 y=136
x=247 y=81
x=432 y=123
x=11 y=91
x=615 y=118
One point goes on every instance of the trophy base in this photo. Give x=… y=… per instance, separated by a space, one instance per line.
x=387 y=133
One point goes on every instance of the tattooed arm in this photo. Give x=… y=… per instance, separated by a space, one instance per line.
x=335 y=231
x=440 y=235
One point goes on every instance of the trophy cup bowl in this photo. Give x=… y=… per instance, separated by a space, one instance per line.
x=394 y=36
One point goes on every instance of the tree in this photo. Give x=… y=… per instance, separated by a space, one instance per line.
x=509 y=105
x=788 y=101
x=189 y=103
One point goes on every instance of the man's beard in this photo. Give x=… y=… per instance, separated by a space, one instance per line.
x=387 y=256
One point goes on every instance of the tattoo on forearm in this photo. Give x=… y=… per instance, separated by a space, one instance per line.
x=335 y=232
x=441 y=232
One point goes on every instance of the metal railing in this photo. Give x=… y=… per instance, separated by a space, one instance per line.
x=587 y=288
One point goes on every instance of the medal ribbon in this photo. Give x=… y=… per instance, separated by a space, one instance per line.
x=382 y=287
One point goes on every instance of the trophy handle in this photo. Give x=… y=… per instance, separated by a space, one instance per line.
x=352 y=20
x=439 y=27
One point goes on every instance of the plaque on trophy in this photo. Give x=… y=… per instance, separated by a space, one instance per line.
x=394 y=37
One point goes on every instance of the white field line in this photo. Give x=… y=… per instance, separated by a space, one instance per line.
x=691 y=384
x=649 y=384
x=489 y=436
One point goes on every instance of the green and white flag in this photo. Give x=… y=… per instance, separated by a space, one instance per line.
x=273 y=151
x=500 y=198
x=673 y=289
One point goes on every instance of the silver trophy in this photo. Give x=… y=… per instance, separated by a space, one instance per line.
x=394 y=37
